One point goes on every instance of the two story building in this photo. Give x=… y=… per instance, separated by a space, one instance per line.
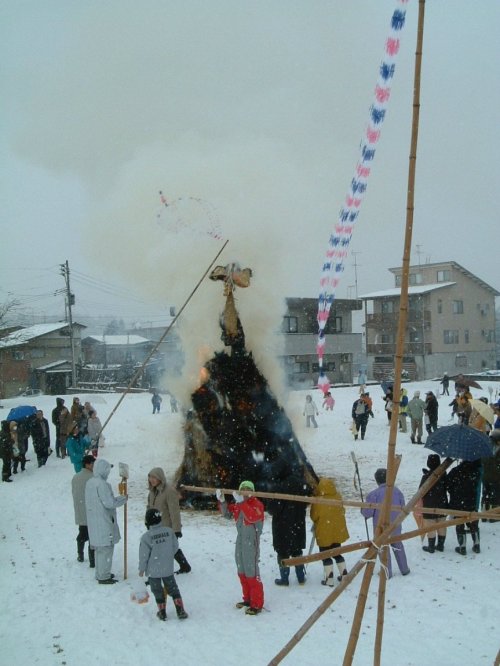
x=343 y=348
x=450 y=327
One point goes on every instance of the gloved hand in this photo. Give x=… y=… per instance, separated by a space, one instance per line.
x=238 y=498
x=178 y=534
x=220 y=495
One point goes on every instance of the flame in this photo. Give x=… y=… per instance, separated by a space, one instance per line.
x=204 y=376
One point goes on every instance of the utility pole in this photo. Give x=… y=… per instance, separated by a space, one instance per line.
x=70 y=300
x=355 y=273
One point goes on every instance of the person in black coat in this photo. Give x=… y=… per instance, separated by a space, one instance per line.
x=41 y=437
x=289 y=528
x=445 y=383
x=435 y=498
x=56 y=412
x=431 y=410
x=360 y=413
x=6 y=451
x=462 y=484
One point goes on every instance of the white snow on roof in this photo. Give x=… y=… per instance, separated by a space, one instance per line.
x=23 y=335
x=119 y=339
x=412 y=291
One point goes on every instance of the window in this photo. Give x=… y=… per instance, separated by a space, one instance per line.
x=414 y=336
x=490 y=336
x=330 y=366
x=303 y=366
x=387 y=307
x=290 y=325
x=443 y=276
x=315 y=367
x=337 y=324
x=450 y=337
x=387 y=338
x=18 y=355
x=398 y=280
x=461 y=361
x=466 y=336
x=440 y=306
x=37 y=353
x=458 y=307
x=415 y=278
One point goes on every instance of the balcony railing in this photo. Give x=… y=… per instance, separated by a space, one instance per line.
x=389 y=348
x=389 y=321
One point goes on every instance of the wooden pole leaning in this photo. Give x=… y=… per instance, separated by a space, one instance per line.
x=123 y=490
x=164 y=335
x=370 y=554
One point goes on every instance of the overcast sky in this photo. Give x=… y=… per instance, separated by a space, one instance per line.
x=257 y=110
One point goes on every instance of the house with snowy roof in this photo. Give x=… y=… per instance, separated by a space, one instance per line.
x=38 y=357
x=450 y=327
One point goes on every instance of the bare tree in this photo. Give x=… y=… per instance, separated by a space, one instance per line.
x=7 y=309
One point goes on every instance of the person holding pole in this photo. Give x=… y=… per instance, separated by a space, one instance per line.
x=104 y=533
x=248 y=513
x=330 y=528
x=377 y=497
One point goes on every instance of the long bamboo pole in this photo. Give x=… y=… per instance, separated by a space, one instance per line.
x=350 y=504
x=403 y=311
x=370 y=554
x=164 y=335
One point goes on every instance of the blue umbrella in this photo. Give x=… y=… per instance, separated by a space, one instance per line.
x=21 y=412
x=460 y=441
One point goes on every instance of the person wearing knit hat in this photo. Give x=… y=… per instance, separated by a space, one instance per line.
x=435 y=498
x=415 y=410
x=377 y=497
x=248 y=514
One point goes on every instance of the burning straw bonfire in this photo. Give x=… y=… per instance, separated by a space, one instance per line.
x=236 y=429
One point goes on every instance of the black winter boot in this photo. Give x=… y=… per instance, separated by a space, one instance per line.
x=184 y=567
x=440 y=543
x=475 y=538
x=91 y=553
x=300 y=572
x=284 y=575
x=179 y=608
x=460 y=549
x=432 y=545
x=79 y=546
x=162 y=613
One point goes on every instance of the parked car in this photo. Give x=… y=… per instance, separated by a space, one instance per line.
x=32 y=391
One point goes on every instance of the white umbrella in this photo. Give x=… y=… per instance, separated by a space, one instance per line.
x=485 y=410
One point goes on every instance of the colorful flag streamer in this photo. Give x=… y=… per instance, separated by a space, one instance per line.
x=339 y=240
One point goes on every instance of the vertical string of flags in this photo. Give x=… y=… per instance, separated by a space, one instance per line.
x=339 y=240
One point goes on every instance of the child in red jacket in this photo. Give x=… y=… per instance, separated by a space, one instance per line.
x=248 y=512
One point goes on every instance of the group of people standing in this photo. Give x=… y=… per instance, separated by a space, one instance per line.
x=95 y=508
x=78 y=431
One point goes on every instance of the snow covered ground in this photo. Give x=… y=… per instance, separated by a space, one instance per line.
x=54 y=613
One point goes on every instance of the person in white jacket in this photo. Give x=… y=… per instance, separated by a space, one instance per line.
x=101 y=505
x=310 y=411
